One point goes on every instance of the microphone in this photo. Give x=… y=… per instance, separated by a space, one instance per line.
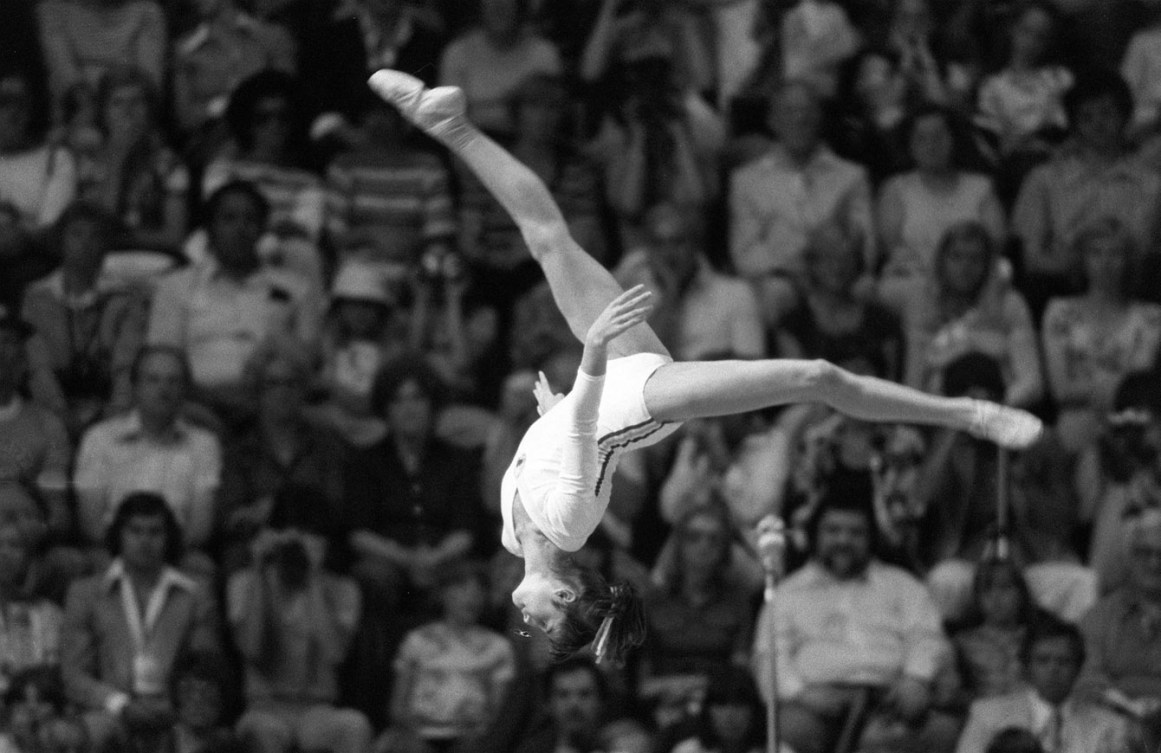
x=771 y=544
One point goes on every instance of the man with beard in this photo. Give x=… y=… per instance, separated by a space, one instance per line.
x=855 y=638
x=577 y=697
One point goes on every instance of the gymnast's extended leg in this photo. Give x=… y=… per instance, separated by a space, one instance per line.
x=581 y=287
x=684 y=390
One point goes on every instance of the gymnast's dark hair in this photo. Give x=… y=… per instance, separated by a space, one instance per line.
x=596 y=601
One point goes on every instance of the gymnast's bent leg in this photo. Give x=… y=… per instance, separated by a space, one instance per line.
x=684 y=390
x=581 y=287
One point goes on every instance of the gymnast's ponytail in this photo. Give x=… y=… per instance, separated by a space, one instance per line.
x=609 y=619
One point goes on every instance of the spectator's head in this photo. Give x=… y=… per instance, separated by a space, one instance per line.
x=1131 y=440
x=703 y=538
x=1106 y=251
x=842 y=529
x=409 y=394
x=976 y=375
x=84 y=233
x=1000 y=595
x=279 y=375
x=1143 y=536
x=539 y=109
x=264 y=118
x=502 y=20
x=126 y=103
x=1052 y=653
x=14 y=556
x=161 y=376
x=208 y=9
x=361 y=301
x=673 y=245
x=384 y=9
x=64 y=734
x=796 y=116
x=23 y=111
x=964 y=259
x=577 y=695
x=877 y=80
x=236 y=216
x=1099 y=106
x=463 y=592
x=732 y=712
x=14 y=333
x=19 y=508
x=199 y=690
x=833 y=258
x=933 y=140
x=1014 y=740
x=144 y=533
x=1033 y=33
x=912 y=20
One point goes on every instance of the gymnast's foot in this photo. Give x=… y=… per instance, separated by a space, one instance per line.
x=438 y=112
x=1011 y=428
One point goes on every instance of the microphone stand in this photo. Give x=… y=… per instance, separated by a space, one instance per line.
x=772 y=728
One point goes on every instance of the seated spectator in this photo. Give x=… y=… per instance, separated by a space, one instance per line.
x=491 y=60
x=853 y=632
x=1052 y=655
x=22 y=261
x=30 y=625
x=451 y=674
x=37 y=452
x=777 y=199
x=83 y=40
x=657 y=144
x=627 y=33
x=221 y=309
x=916 y=209
x=63 y=734
x=126 y=627
x=365 y=328
x=1123 y=665
x=1024 y=99
x=830 y=318
x=698 y=311
x=130 y=171
x=1094 y=176
x=958 y=487
x=280 y=450
x=1092 y=340
x=578 y=699
x=270 y=152
x=414 y=497
x=873 y=106
x=935 y=69
x=38 y=178
x=227 y=46
x=989 y=641
x=968 y=305
x=700 y=621
x=1140 y=68
x=389 y=198
x=730 y=721
x=293 y=619
x=152 y=448
x=199 y=701
x=92 y=329
x=1119 y=472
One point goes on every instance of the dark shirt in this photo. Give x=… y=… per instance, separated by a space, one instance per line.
x=424 y=508
x=877 y=341
x=684 y=638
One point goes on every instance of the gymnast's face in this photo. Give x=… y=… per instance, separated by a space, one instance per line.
x=542 y=598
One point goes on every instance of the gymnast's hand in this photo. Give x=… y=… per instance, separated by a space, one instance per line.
x=626 y=311
x=545 y=397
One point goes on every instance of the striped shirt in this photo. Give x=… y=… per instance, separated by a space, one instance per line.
x=295 y=195
x=401 y=201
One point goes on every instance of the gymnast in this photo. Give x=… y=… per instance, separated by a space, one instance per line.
x=628 y=394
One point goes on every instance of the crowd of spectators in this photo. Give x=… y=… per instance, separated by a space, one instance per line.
x=266 y=351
